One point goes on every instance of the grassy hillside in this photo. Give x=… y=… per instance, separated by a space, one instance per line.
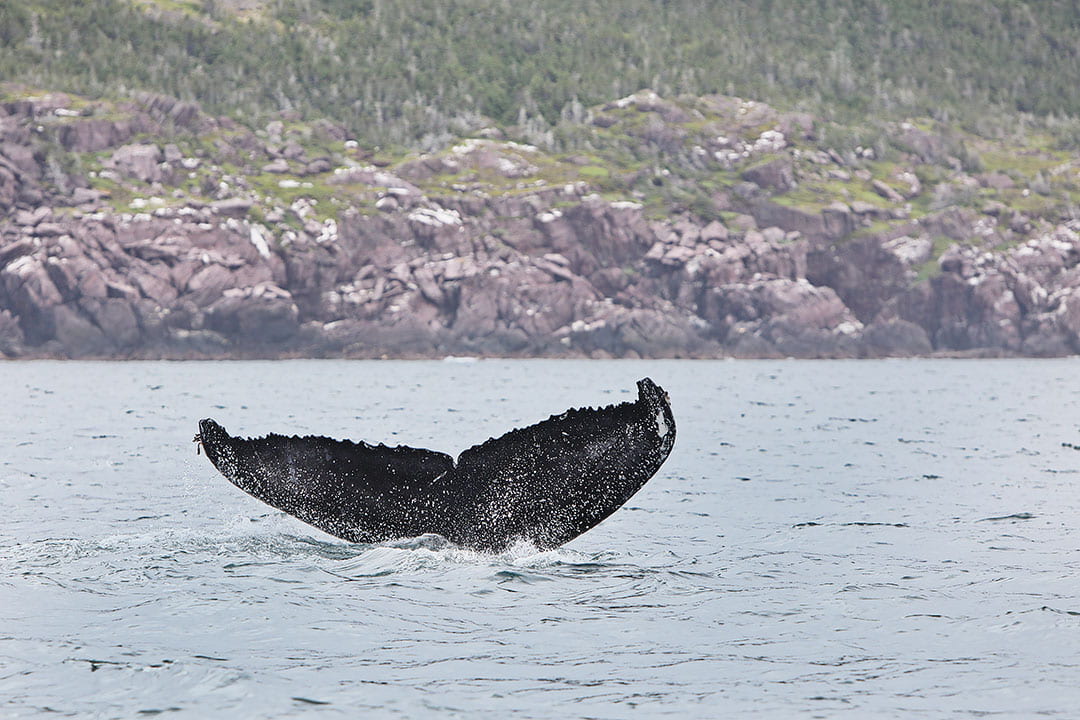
x=416 y=73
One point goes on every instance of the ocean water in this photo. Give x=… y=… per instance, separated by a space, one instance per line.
x=864 y=539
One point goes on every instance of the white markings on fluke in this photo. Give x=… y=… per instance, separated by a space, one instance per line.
x=661 y=424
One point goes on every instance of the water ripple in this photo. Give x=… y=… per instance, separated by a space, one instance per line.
x=862 y=539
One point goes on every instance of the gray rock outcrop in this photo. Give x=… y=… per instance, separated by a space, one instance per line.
x=540 y=269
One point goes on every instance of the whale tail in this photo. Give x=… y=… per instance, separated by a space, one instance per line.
x=552 y=481
x=216 y=443
x=659 y=402
x=546 y=483
x=211 y=436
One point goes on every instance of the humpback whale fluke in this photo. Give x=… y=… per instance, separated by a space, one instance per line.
x=546 y=483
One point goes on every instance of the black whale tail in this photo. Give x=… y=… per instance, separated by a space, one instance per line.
x=546 y=483
x=218 y=445
x=210 y=433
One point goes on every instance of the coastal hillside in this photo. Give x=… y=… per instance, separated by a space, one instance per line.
x=698 y=226
x=163 y=195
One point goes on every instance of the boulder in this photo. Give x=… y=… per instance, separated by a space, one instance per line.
x=172 y=153
x=93 y=134
x=838 y=221
x=196 y=343
x=138 y=161
x=116 y=320
x=929 y=147
x=31 y=296
x=865 y=272
x=886 y=191
x=1068 y=317
x=792 y=339
x=318 y=166
x=170 y=110
x=76 y=334
x=12 y=341
x=793 y=317
x=9 y=189
x=21 y=159
x=775 y=174
x=236 y=207
x=264 y=315
x=895 y=338
x=85 y=196
x=278 y=166
x=209 y=283
x=811 y=224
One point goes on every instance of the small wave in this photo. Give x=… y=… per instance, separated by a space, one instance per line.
x=173 y=543
x=436 y=553
x=243 y=546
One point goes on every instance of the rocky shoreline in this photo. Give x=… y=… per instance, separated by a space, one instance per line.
x=122 y=237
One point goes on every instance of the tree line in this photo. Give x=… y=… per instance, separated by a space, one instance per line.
x=414 y=73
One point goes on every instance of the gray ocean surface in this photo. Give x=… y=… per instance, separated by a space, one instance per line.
x=871 y=539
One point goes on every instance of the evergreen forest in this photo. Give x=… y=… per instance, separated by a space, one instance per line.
x=417 y=73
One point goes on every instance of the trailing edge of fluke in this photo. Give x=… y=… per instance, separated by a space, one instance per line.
x=546 y=483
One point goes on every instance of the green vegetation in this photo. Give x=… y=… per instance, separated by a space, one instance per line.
x=417 y=73
x=674 y=156
x=932 y=266
x=917 y=106
x=1025 y=161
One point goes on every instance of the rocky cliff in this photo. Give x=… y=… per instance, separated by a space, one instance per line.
x=696 y=227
